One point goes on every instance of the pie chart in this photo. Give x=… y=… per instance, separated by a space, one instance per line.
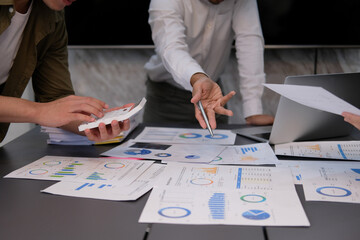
x=256 y=215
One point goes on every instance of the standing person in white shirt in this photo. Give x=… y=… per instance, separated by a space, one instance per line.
x=193 y=41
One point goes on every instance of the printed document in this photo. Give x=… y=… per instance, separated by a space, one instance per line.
x=186 y=136
x=208 y=194
x=197 y=153
x=333 y=183
x=109 y=191
x=82 y=169
x=251 y=154
x=314 y=97
x=346 y=150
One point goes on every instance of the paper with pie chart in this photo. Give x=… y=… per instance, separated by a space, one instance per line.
x=333 y=183
x=346 y=150
x=251 y=154
x=91 y=170
x=186 y=136
x=208 y=194
x=197 y=153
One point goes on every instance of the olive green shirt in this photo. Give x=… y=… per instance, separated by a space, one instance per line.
x=42 y=56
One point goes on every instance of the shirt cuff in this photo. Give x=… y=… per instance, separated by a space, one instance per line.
x=191 y=70
x=252 y=107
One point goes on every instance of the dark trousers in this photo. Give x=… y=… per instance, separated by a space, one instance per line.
x=2 y=87
x=167 y=103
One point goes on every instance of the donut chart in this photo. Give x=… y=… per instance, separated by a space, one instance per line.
x=174 y=212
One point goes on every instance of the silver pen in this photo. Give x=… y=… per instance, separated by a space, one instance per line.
x=205 y=118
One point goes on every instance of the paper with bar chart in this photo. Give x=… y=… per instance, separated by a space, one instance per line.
x=347 y=150
x=186 y=136
x=198 y=153
x=208 y=194
x=107 y=190
x=333 y=182
x=82 y=169
x=314 y=97
x=301 y=168
x=252 y=154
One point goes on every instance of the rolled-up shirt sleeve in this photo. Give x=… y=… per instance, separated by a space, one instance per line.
x=168 y=33
x=249 y=44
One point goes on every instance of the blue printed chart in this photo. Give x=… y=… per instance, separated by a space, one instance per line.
x=255 y=214
x=186 y=136
x=332 y=182
x=252 y=154
x=224 y=195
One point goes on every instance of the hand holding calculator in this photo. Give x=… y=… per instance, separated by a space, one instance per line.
x=118 y=115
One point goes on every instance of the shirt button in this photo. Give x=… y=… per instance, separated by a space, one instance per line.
x=11 y=9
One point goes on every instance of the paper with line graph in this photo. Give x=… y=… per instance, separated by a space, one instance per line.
x=347 y=150
x=208 y=194
x=251 y=154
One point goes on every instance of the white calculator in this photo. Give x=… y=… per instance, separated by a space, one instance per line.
x=118 y=115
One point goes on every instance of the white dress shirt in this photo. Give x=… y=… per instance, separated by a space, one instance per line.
x=10 y=41
x=194 y=36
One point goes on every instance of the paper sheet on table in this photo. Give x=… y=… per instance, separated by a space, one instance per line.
x=346 y=150
x=300 y=168
x=251 y=154
x=82 y=169
x=208 y=194
x=167 y=152
x=109 y=191
x=332 y=182
x=314 y=97
x=186 y=136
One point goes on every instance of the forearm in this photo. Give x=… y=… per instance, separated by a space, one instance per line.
x=251 y=72
x=17 y=110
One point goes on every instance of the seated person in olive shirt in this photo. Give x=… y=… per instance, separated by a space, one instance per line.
x=33 y=44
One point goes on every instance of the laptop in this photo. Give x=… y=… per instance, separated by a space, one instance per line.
x=296 y=122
